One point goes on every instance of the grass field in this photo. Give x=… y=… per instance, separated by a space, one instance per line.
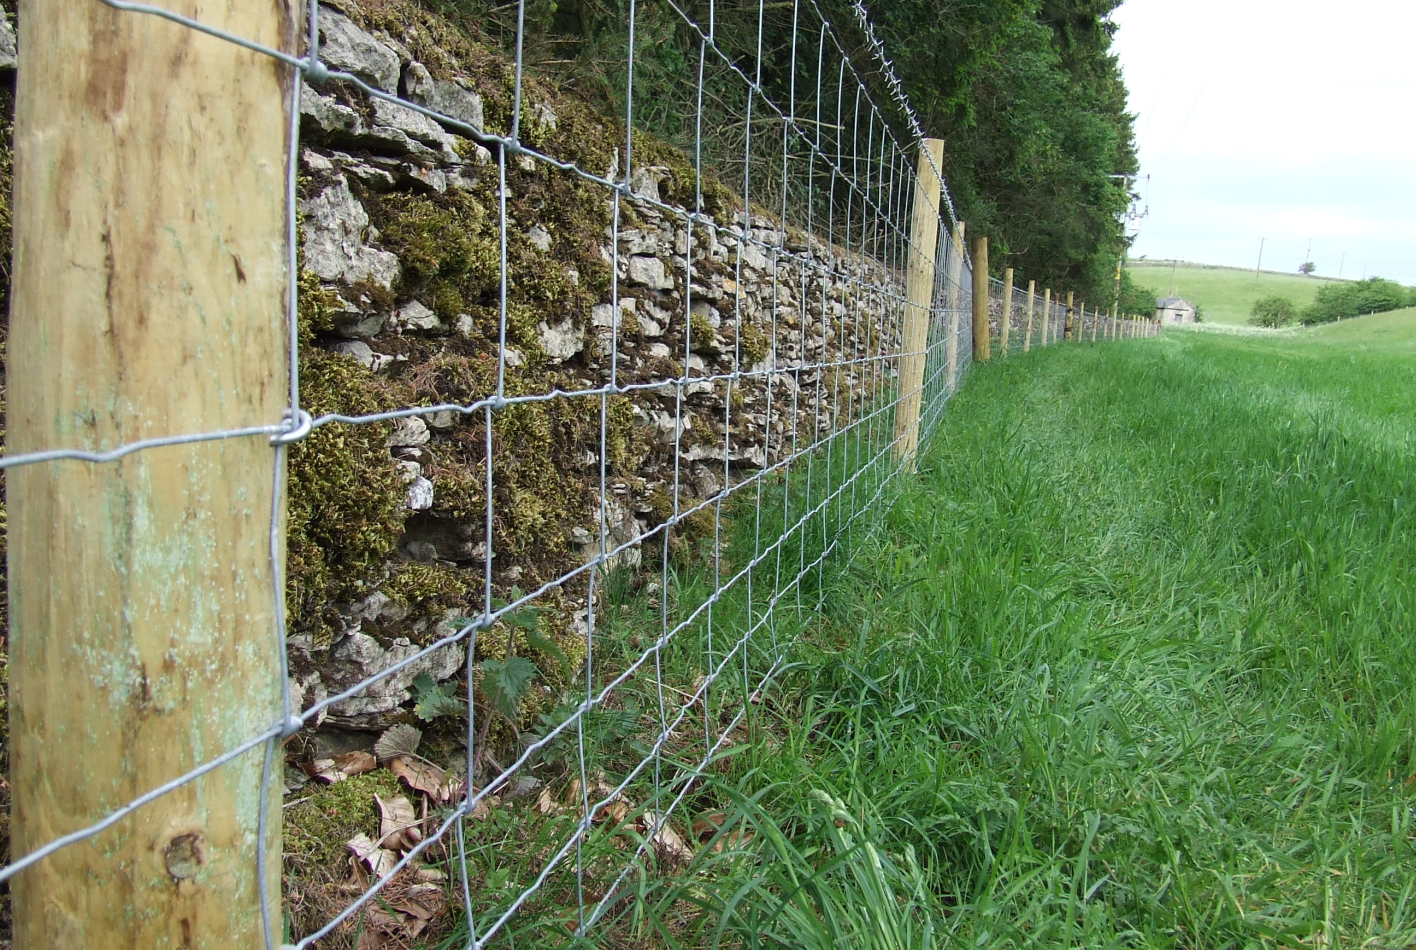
x=1393 y=332
x=1225 y=293
x=1132 y=663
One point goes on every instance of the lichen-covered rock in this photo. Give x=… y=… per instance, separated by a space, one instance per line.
x=345 y=47
x=447 y=98
x=649 y=272
x=9 y=51
x=560 y=341
x=336 y=226
x=359 y=656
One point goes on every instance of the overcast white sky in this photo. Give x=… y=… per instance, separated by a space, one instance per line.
x=1284 y=119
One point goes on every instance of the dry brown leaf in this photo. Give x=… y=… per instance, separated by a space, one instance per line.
x=371 y=939
x=481 y=811
x=546 y=803
x=667 y=842
x=423 y=777
x=326 y=771
x=342 y=766
x=398 y=825
x=708 y=825
x=356 y=763
x=379 y=860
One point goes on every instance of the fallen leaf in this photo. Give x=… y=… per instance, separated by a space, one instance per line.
x=422 y=777
x=546 y=803
x=398 y=740
x=326 y=771
x=667 y=842
x=379 y=860
x=398 y=826
x=355 y=763
x=709 y=825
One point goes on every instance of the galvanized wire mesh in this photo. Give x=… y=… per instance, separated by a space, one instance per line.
x=803 y=446
x=822 y=235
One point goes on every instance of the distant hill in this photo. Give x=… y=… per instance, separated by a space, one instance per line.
x=1224 y=293
x=1394 y=330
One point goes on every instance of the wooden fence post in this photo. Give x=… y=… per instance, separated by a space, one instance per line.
x=924 y=239
x=1007 y=309
x=956 y=289
x=1096 y=323
x=1111 y=325
x=149 y=300
x=1027 y=338
x=1069 y=328
x=1079 y=331
x=1046 y=312
x=981 y=330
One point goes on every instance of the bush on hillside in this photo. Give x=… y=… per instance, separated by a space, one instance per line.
x=1357 y=298
x=1273 y=311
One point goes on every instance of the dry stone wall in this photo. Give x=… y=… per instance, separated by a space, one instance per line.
x=732 y=342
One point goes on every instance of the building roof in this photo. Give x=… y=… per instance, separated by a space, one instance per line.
x=1171 y=302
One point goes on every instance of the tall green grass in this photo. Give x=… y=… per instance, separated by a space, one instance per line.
x=1131 y=662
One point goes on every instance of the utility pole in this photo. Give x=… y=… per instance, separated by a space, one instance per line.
x=1260 y=264
x=1340 y=265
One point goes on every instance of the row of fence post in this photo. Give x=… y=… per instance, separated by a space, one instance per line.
x=920 y=283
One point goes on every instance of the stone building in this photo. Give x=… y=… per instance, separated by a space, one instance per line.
x=1174 y=310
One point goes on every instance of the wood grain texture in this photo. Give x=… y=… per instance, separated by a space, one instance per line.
x=1004 y=324
x=956 y=293
x=981 y=341
x=1032 y=293
x=924 y=242
x=149 y=299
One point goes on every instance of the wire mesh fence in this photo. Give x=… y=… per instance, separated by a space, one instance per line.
x=725 y=397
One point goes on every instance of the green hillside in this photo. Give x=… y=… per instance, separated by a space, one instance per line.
x=1224 y=293
x=1393 y=332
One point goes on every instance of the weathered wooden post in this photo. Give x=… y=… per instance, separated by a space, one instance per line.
x=956 y=290
x=1069 y=328
x=1027 y=338
x=1007 y=310
x=1096 y=323
x=1080 y=329
x=981 y=333
x=924 y=239
x=149 y=300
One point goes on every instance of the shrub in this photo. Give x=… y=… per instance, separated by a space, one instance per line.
x=1355 y=299
x=1274 y=311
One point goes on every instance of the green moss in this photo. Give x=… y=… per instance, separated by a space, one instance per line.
x=346 y=495
x=680 y=187
x=316 y=830
x=753 y=345
x=430 y=589
x=449 y=239
x=316 y=306
x=625 y=450
x=701 y=332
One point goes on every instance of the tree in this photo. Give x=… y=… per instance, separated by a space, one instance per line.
x=1274 y=311
x=1339 y=301
x=1306 y=268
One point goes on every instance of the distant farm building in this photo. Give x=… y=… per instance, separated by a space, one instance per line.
x=1174 y=310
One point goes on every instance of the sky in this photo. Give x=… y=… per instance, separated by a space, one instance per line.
x=1284 y=120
